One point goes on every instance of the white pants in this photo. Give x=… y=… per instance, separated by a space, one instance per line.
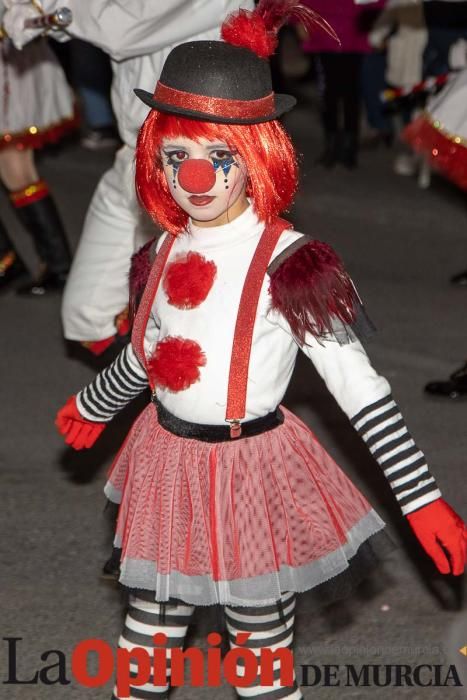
x=115 y=226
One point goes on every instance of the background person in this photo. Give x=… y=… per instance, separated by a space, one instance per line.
x=340 y=64
x=36 y=108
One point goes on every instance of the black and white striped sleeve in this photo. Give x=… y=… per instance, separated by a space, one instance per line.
x=365 y=397
x=113 y=388
x=382 y=427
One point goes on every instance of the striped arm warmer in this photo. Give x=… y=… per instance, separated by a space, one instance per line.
x=383 y=428
x=113 y=388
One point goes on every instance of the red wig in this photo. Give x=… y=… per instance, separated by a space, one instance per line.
x=265 y=148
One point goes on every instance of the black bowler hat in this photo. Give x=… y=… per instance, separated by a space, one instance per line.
x=218 y=82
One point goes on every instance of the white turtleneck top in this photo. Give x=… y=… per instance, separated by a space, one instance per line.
x=212 y=324
x=362 y=394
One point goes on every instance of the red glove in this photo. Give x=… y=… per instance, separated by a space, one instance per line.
x=439 y=528
x=97 y=347
x=79 y=431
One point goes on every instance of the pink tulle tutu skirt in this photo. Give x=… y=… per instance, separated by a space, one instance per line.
x=237 y=522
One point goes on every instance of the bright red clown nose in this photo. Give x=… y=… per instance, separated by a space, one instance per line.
x=196 y=175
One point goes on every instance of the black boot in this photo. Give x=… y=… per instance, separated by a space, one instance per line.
x=348 y=150
x=111 y=568
x=329 y=156
x=11 y=265
x=41 y=219
x=460 y=280
x=454 y=388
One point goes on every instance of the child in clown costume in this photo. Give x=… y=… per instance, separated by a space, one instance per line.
x=225 y=496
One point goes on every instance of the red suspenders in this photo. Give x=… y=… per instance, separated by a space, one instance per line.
x=241 y=348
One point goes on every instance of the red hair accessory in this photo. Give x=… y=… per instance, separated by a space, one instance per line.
x=175 y=363
x=257 y=30
x=188 y=281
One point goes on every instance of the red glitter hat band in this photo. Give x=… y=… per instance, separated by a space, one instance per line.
x=215 y=106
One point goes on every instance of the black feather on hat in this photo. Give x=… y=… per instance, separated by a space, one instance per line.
x=230 y=81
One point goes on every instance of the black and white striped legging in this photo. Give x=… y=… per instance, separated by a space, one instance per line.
x=269 y=627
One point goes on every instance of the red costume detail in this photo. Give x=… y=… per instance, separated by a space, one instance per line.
x=197 y=175
x=245 y=324
x=79 y=432
x=188 y=281
x=122 y=323
x=247 y=29
x=139 y=272
x=98 y=347
x=265 y=149
x=175 y=363
x=310 y=288
x=445 y=155
x=437 y=527
x=25 y=140
x=32 y=193
x=258 y=30
x=272 y=513
x=219 y=106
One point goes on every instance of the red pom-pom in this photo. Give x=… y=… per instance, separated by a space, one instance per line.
x=248 y=30
x=175 y=363
x=188 y=281
x=258 y=30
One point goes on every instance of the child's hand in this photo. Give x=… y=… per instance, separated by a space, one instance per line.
x=78 y=431
x=439 y=530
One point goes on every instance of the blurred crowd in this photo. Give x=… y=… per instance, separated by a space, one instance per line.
x=396 y=78
x=391 y=58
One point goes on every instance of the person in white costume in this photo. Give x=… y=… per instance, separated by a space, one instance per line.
x=440 y=135
x=138 y=35
x=36 y=108
x=440 y=132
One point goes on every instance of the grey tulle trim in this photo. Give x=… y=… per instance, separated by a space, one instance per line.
x=361 y=329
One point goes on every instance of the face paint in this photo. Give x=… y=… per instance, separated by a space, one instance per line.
x=207 y=179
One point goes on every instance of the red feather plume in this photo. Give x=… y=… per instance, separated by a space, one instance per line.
x=310 y=288
x=258 y=30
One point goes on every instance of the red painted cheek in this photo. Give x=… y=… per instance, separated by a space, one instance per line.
x=196 y=175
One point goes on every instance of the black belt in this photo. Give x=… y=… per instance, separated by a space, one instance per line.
x=215 y=433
